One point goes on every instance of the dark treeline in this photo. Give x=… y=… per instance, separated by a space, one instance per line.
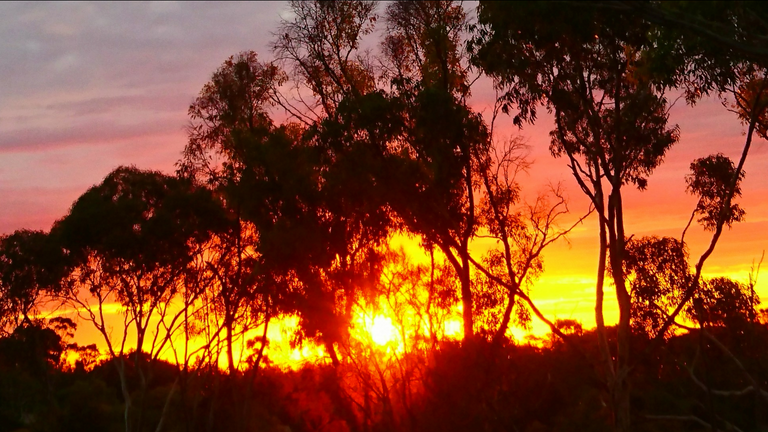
x=181 y=276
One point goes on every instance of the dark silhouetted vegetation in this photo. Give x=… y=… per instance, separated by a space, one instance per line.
x=183 y=276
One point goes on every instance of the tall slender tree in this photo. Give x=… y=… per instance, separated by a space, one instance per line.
x=230 y=114
x=610 y=125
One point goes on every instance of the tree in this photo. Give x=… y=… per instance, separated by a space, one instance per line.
x=29 y=356
x=229 y=115
x=522 y=230
x=433 y=189
x=658 y=272
x=322 y=45
x=453 y=179
x=602 y=72
x=235 y=102
x=726 y=303
x=710 y=179
x=610 y=125
x=423 y=45
x=30 y=267
x=316 y=182
x=131 y=239
x=228 y=122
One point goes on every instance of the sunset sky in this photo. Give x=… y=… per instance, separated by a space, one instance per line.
x=86 y=87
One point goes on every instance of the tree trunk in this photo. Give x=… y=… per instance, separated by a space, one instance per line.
x=230 y=354
x=462 y=271
x=168 y=398
x=332 y=353
x=620 y=396
x=466 y=301
x=502 y=330
x=624 y=333
x=120 y=365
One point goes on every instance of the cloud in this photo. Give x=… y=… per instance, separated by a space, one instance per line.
x=79 y=45
x=97 y=120
x=44 y=138
x=67 y=66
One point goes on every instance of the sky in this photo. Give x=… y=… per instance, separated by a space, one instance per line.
x=87 y=87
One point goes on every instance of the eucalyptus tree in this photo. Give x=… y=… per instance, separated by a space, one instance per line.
x=602 y=72
x=131 y=240
x=275 y=251
x=435 y=159
x=31 y=346
x=408 y=151
x=229 y=116
x=610 y=125
x=405 y=144
x=329 y=203
x=321 y=44
x=31 y=264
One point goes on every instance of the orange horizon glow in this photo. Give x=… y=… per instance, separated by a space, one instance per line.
x=559 y=293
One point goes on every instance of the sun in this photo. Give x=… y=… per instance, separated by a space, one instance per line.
x=382 y=330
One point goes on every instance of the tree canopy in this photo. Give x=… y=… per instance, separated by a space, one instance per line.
x=301 y=174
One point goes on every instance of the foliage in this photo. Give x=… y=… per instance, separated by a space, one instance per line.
x=232 y=104
x=710 y=180
x=267 y=219
x=31 y=266
x=658 y=271
x=725 y=302
x=423 y=45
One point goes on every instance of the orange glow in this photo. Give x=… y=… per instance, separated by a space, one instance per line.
x=393 y=324
x=382 y=331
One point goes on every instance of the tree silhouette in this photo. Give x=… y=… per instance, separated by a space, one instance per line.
x=658 y=272
x=610 y=125
x=132 y=238
x=725 y=302
x=315 y=181
x=603 y=78
x=423 y=45
x=710 y=179
x=321 y=44
x=229 y=114
x=31 y=265
x=434 y=188
x=233 y=103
